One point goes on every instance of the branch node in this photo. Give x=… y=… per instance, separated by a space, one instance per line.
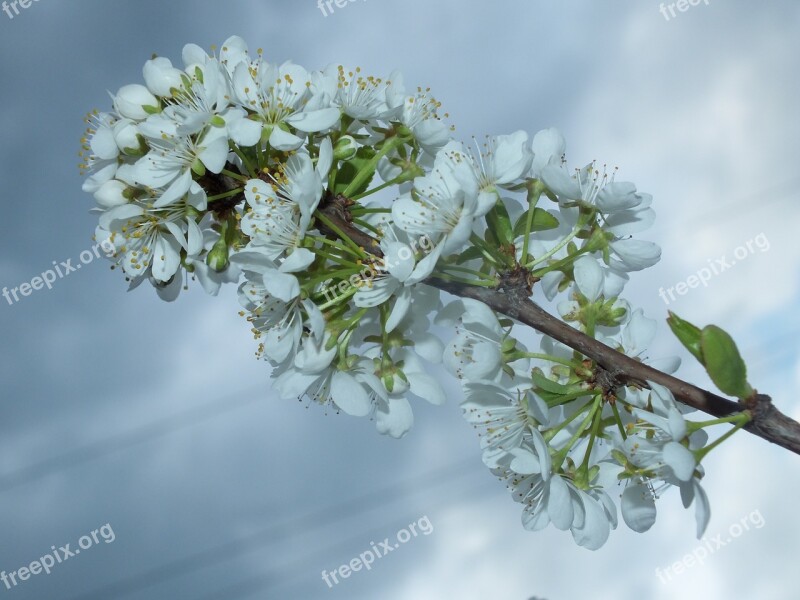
x=517 y=283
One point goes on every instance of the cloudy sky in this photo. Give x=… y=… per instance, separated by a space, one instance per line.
x=155 y=418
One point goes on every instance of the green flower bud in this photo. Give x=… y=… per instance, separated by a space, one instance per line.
x=599 y=240
x=198 y=167
x=403 y=131
x=218 y=259
x=410 y=172
x=345 y=148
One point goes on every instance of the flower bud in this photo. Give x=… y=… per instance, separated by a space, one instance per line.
x=128 y=139
x=218 y=259
x=508 y=345
x=599 y=240
x=403 y=131
x=399 y=170
x=345 y=148
x=612 y=312
x=111 y=194
x=131 y=101
x=395 y=381
x=161 y=77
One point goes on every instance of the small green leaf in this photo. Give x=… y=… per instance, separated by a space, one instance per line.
x=542 y=221
x=500 y=224
x=471 y=253
x=549 y=385
x=687 y=334
x=349 y=169
x=724 y=363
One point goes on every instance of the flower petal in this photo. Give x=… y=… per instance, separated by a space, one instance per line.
x=638 y=507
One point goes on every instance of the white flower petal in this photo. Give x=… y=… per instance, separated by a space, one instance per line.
x=680 y=459
x=350 y=395
x=559 y=504
x=394 y=417
x=638 y=508
x=589 y=277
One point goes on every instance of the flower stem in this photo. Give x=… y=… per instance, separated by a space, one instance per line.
x=250 y=170
x=693 y=426
x=555 y=248
x=551 y=433
x=348 y=294
x=700 y=454
x=364 y=210
x=446 y=277
x=236 y=176
x=342 y=235
x=534 y=193
x=540 y=356
x=595 y=432
x=369 y=169
x=487 y=251
x=562 y=454
x=478 y=274
x=337 y=245
x=615 y=410
x=366 y=225
x=375 y=190
x=561 y=263
x=225 y=195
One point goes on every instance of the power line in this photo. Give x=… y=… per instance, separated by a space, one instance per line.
x=151 y=431
x=199 y=415
x=228 y=404
x=264 y=581
x=778 y=193
x=303 y=523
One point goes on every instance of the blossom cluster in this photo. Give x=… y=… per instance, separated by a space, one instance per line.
x=293 y=183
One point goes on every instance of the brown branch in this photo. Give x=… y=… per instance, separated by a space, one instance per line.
x=767 y=421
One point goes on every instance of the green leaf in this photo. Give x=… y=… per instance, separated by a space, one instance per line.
x=500 y=224
x=349 y=169
x=687 y=334
x=554 y=393
x=471 y=253
x=491 y=238
x=550 y=398
x=724 y=363
x=549 y=385
x=542 y=221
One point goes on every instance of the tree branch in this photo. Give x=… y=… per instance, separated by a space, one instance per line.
x=767 y=421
